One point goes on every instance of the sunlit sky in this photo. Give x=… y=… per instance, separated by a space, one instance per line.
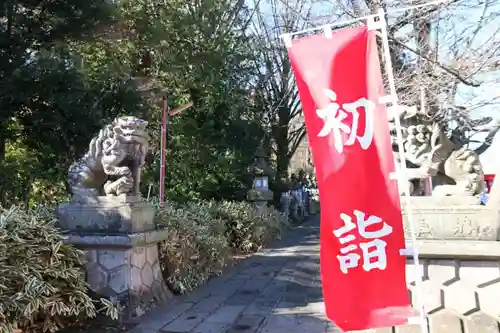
x=459 y=24
x=488 y=38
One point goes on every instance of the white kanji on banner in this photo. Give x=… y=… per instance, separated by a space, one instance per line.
x=373 y=250
x=333 y=117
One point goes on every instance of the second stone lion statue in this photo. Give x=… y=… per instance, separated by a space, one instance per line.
x=429 y=152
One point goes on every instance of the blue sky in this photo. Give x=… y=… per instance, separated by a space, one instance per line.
x=469 y=33
x=457 y=25
x=485 y=99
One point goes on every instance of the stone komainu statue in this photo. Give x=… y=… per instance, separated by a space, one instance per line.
x=113 y=162
x=429 y=151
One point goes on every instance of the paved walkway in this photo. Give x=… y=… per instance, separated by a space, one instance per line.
x=277 y=290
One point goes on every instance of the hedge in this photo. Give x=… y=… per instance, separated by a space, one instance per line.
x=42 y=279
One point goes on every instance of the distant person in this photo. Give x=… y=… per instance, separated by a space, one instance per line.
x=484 y=198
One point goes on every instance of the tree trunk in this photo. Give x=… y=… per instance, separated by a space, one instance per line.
x=282 y=143
x=282 y=160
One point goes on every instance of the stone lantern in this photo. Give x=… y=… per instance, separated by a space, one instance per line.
x=261 y=182
x=260 y=194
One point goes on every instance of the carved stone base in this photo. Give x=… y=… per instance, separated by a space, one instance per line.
x=122 y=252
x=259 y=198
x=133 y=277
x=451 y=218
x=259 y=195
x=460 y=288
x=110 y=215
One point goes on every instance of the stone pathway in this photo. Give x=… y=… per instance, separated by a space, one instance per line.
x=277 y=290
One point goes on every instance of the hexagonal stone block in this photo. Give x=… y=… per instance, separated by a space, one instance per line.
x=107 y=292
x=442 y=271
x=477 y=273
x=410 y=294
x=445 y=321
x=118 y=266
x=481 y=323
x=152 y=254
x=413 y=328
x=460 y=297
x=110 y=259
x=97 y=278
x=119 y=279
x=135 y=278
x=157 y=291
x=91 y=256
x=411 y=272
x=90 y=266
x=157 y=274
x=147 y=275
x=432 y=295
x=489 y=300
x=138 y=256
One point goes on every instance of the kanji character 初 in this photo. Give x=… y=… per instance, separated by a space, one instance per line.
x=333 y=117
x=373 y=249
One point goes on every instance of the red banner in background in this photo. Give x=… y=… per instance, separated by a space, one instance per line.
x=362 y=271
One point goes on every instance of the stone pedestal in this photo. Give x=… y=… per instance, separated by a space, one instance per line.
x=461 y=286
x=460 y=267
x=259 y=197
x=121 y=243
x=452 y=218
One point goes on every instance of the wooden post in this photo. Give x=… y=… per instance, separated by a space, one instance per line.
x=163 y=154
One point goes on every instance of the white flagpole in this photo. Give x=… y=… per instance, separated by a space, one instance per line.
x=287 y=36
x=403 y=170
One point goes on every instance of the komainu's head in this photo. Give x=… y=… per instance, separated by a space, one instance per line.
x=131 y=129
x=130 y=123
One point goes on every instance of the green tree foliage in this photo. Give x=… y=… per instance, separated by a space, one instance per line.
x=42 y=284
x=69 y=69
x=194 y=51
x=50 y=108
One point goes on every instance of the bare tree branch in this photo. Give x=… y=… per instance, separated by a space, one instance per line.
x=448 y=70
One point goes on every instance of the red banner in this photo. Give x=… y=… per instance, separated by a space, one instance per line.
x=362 y=271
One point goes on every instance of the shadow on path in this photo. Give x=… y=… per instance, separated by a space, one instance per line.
x=276 y=290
